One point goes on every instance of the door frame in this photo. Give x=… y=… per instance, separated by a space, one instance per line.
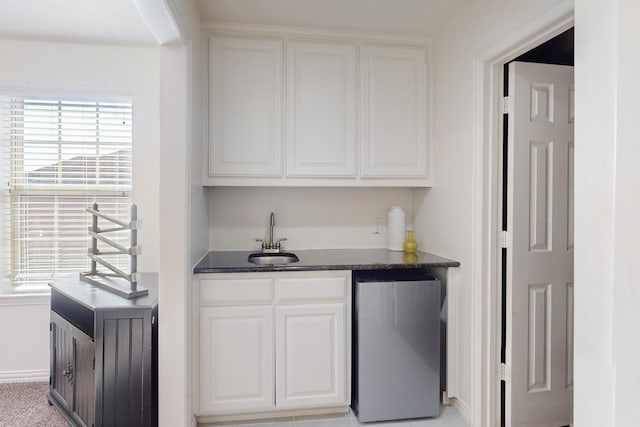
x=487 y=204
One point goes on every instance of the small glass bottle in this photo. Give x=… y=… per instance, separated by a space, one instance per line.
x=409 y=258
x=409 y=245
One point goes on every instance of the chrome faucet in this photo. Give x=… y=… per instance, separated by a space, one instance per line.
x=272 y=223
x=270 y=246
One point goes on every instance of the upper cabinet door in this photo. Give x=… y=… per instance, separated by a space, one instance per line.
x=321 y=109
x=393 y=102
x=245 y=107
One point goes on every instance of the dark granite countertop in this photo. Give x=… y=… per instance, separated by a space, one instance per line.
x=323 y=259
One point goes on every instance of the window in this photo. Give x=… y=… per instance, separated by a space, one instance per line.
x=58 y=158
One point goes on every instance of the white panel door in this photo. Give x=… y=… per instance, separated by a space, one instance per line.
x=311 y=355
x=540 y=263
x=236 y=359
x=393 y=112
x=321 y=109
x=245 y=107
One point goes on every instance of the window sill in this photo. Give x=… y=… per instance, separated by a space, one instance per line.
x=10 y=297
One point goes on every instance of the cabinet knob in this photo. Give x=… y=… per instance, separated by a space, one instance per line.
x=68 y=372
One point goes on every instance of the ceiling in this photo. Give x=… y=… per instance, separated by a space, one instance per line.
x=88 y=21
x=422 y=18
x=120 y=22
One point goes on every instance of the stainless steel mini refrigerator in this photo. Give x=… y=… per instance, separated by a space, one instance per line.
x=396 y=371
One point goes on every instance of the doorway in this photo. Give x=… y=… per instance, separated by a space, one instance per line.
x=530 y=336
x=487 y=302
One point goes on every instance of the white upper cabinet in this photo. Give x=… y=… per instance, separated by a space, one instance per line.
x=245 y=107
x=321 y=109
x=393 y=112
x=317 y=110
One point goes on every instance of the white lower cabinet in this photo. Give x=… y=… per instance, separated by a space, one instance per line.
x=236 y=358
x=310 y=351
x=272 y=344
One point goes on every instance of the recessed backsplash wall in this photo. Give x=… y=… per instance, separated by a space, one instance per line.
x=310 y=218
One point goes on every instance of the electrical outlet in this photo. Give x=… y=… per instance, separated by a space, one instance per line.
x=377 y=226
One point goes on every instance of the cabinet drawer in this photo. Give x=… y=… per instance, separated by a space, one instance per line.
x=310 y=289
x=236 y=291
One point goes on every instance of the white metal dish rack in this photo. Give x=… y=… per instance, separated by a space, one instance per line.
x=115 y=280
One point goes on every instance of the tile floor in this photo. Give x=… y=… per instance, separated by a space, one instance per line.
x=449 y=417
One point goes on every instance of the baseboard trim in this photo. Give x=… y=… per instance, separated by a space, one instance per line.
x=24 y=376
x=274 y=415
x=463 y=408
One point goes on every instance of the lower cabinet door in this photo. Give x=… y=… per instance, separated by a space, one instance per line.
x=62 y=363
x=236 y=359
x=84 y=403
x=72 y=370
x=311 y=355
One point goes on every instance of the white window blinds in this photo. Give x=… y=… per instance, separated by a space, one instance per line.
x=60 y=156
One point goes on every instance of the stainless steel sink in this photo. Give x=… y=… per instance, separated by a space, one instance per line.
x=274 y=258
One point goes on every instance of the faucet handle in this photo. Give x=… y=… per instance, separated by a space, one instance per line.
x=280 y=240
x=262 y=243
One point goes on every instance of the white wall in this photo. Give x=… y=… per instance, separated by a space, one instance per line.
x=197 y=128
x=446 y=215
x=607 y=200
x=182 y=209
x=310 y=218
x=87 y=69
x=97 y=69
x=24 y=331
x=173 y=329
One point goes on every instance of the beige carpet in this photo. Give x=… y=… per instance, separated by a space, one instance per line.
x=25 y=404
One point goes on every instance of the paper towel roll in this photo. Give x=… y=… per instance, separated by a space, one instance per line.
x=395 y=228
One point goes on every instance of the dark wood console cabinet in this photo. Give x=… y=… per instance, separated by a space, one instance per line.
x=103 y=370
